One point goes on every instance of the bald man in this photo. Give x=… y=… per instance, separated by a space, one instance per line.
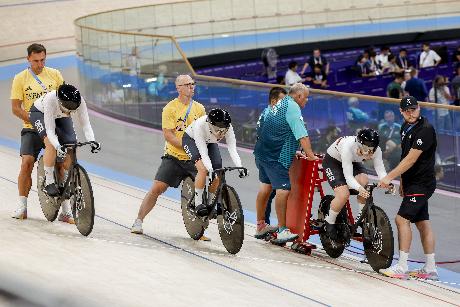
x=175 y=165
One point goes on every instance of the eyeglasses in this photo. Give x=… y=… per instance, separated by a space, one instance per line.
x=191 y=84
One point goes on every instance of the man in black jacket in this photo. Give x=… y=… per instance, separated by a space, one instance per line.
x=418 y=182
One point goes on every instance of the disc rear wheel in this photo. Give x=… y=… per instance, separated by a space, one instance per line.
x=50 y=206
x=194 y=224
x=333 y=248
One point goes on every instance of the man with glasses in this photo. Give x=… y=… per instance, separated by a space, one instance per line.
x=175 y=165
x=344 y=171
x=418 y=182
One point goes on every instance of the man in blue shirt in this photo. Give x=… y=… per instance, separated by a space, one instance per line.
x=416 y=87
x=280 y=131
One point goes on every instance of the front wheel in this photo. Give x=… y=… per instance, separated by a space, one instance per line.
x=378 y=239
x=194 y=224
x=50 y=206
x=82 y=201
x=231 y=221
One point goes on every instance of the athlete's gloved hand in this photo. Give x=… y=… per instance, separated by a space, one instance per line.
x=95 y=146
x=363 y=192
x=61 y=152
x=243 y=173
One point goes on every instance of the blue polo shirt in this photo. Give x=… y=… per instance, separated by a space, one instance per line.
x=417 y=88
x=279 y=130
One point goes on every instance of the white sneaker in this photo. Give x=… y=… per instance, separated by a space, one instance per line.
x=265 y=230
x=137 y=227
x=20 y=213
x=424 y=274
x=285 y=236
x=396 y=271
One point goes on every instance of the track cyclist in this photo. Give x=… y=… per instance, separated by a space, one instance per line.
x=344 y=171
x=51 y=117
x=200 y=143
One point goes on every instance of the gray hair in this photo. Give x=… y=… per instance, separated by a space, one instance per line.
x=181 y=77
x=297 y=88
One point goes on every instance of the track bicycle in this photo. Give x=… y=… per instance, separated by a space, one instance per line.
x=377 y=233
x=77 y=188
x=225 y=207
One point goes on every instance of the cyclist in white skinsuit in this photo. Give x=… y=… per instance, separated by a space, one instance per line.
x=51 y=117
x=345 y=171
x=200 y=143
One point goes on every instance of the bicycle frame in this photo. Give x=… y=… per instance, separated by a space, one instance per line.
x=366 y=210
x=69 y=189
x=220 y=173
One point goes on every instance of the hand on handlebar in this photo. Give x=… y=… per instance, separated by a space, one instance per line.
x=384 y=183
x=61 y=152
x=363 y=192
x=95 y=146
x=243 y=173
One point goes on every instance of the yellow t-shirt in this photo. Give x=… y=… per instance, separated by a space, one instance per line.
x=27 y=89
x=173 y=117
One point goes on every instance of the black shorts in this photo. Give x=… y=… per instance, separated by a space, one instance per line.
x=414 y=206
x=31 y=143
x=172 y=170
x=64 y=127
x=334 y=171
x=191 y=150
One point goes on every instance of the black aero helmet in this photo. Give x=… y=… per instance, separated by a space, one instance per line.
x=368 y=137
x=219 y=118
x=69 y=97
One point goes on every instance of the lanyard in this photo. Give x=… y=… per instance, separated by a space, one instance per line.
x=408 y=129
x=188 y=111
x=38 y=80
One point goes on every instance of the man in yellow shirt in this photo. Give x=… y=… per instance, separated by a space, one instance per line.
x=175 y=166
x=29 y=85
